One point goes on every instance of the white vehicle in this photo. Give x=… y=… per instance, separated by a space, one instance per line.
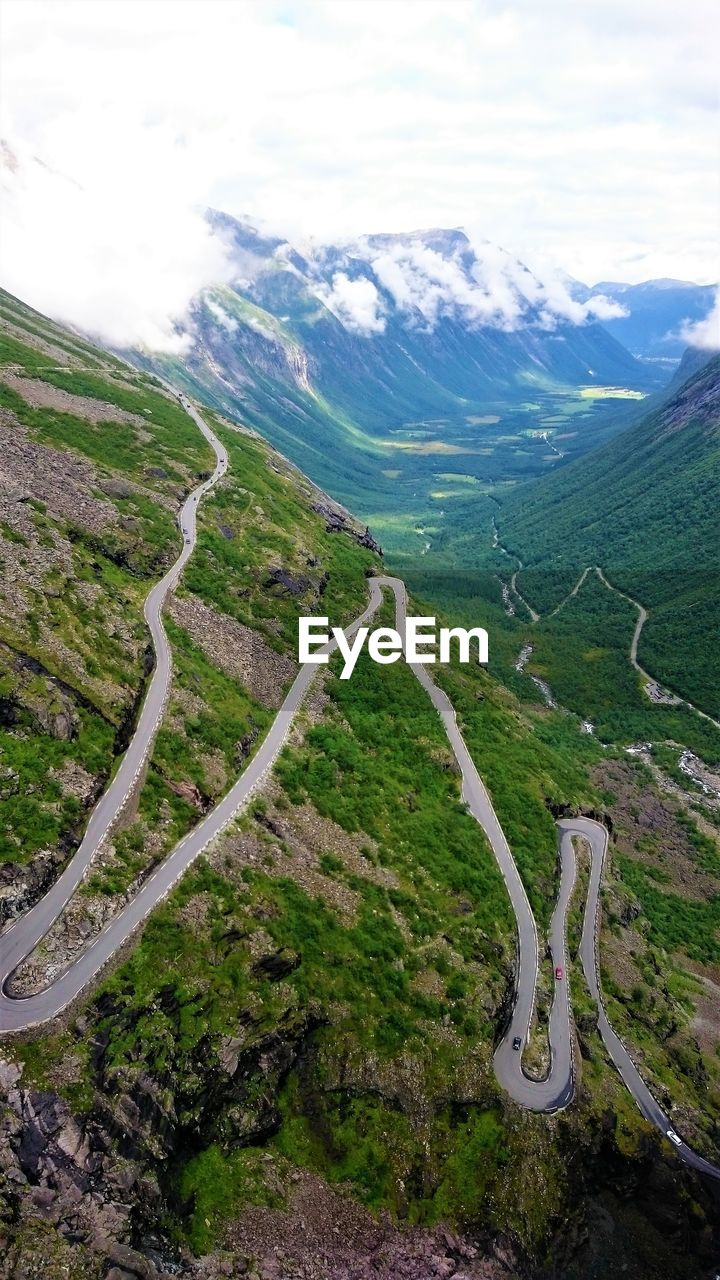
x=674 y=1137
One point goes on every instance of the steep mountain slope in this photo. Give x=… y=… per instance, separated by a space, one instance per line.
x=96 y=461
x=646 y=508
x=398 y=326
x=317 y=1001
x=692 y=361
x=657 y=312
x=372 y=364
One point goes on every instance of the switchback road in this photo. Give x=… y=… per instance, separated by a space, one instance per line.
x=23 y=935
x=550 y=1094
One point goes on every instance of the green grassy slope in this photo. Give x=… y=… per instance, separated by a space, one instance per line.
x=96 y=461
x=646 y=507
x=325 y=987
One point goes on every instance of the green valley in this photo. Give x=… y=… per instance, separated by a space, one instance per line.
x=318 y=1001
x=401 y=421
x=359 y=641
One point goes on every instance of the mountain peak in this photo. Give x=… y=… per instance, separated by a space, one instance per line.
x=665 y=282
x=444 y=240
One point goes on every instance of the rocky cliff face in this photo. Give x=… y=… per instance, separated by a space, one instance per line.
x=96 y=1187
x=85 y=1194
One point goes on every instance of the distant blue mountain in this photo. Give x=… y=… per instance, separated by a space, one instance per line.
x=657 y=311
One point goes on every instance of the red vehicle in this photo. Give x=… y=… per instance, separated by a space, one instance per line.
x=559 y=972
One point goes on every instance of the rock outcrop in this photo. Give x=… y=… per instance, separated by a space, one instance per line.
x=337 y=520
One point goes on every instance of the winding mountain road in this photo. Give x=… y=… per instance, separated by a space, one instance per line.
x=551 y=1094
x=596 y=836
x=642 y=618
x=23 y=935
x=17 y=942
x=558 y=1089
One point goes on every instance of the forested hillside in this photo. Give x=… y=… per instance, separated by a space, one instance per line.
x=646 y=508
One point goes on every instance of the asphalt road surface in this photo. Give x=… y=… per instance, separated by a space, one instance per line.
x=23 y=935
x=557 y=1090
x=548 y=1095
x=596 y=837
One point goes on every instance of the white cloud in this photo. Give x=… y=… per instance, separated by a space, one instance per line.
x=356 y=303
x=100 y=256
x=223 y=317
x=603 y=308
x=422 y=280
x=705 y=334
x=494 y=289
x=546 y=289
x=583 y=132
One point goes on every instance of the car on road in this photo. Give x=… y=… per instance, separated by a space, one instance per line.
x=559 y=972
x=674 y=1137
x=517 y=1042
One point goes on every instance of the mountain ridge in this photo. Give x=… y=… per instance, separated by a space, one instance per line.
x=364 y=364
x=658 y=313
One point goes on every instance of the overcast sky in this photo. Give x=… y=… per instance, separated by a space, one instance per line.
x=585 y=134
